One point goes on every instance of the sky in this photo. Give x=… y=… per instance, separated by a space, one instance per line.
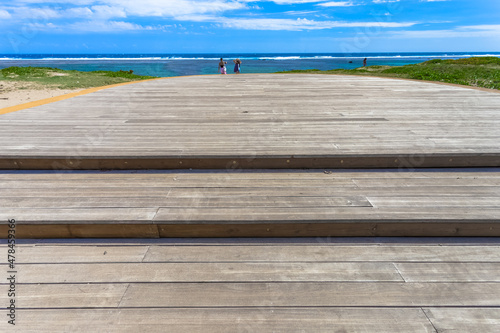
x=246 y=26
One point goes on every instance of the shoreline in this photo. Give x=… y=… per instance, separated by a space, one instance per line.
x=483 y=73
x=32 y=85
x=19 y=99
x=189 y=64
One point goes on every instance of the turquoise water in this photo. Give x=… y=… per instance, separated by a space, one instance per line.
x=195 y=64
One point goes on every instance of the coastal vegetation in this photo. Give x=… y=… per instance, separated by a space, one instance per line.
x=481 y=72
x=477 y=72
x=67 y=79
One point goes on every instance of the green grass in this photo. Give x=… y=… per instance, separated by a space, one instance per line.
x=477 y=72
x=63 y=79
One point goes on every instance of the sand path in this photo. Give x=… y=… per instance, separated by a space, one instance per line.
x=15 y=93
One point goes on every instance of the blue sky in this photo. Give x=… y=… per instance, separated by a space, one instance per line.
x=227 y=26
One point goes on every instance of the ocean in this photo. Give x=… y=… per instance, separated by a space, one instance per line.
x=167 y=65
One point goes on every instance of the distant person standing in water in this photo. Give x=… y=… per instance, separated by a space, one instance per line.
x=237 y=66
x=364 y=62
x=222 y=66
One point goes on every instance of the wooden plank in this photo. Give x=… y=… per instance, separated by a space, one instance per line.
x=317 y=251
x=199 y=160
x=132 y=181
x=85 y=215
x=225 y=175
x=467 y=320
x=67 y=296
x=450 y=272
x=399 y=182
x=52 y=254
x=175 y=202
x=227 y=214
x=205 y=272
x=327 y=214
x=323 y=253
x=103 y=191
x=265 y=319
x=258 y=229
x=460 y=242
x=284 y=294
x=348 y=229
x=274 y=116
x=340 y=294
x=88 y=229
x=433 y=201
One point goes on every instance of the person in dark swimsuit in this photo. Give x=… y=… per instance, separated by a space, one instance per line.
x=237 y=66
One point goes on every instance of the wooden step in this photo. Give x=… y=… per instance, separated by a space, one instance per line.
x=207 y=285
x=263 y=203
x=263 y=121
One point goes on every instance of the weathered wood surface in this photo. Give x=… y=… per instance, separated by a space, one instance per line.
x=449 y=272
x=201 y=272
x=467 y=320
x=383 y=285
x=256 y=294
x=227 y=320
x=322 y=285
x=315 y=250
x=252 y=203
x=258 y=121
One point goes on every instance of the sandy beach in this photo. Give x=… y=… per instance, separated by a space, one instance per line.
x=16 y=93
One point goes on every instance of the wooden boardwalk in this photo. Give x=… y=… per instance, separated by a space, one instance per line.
x=293 y=203
x=311 y=285
x=258 y=121
x=153 y=276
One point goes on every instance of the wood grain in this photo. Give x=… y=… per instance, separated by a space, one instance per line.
x=467 y=320
x=226 y=320
x=342 y=294
x=299 y=120
x=206 y=272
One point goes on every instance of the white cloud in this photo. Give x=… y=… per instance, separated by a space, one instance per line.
x=79 y=12
x=113 y=14
x=495 y=27
x=105 y=12
x=111 y=26
x=384 y=1
x=302 y=24
x=293 y=2
x=4 y=14
x=324 y=3
x=299 y=12
x=93 y=26
x=172 y=8
x=94 y=12
x=336 y=4
x=123 y=8
x=73 y=2
x=36 y=13
x=483 y=30
x=197 y=18
x=475 y=31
